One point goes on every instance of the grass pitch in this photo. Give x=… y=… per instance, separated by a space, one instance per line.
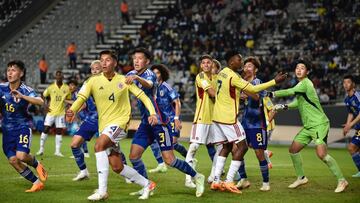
x=170 y=185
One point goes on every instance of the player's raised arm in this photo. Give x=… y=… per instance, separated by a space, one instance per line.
x=82 y=96
x=32 y=98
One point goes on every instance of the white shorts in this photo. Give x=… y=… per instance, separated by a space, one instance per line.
x=58 y=120
x=115 y=133
x=201 y=133
x=228 y=132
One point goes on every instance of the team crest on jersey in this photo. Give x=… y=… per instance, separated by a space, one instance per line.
x=161 y=93
x=120 y=85
x=353 y=103
x=17 y=100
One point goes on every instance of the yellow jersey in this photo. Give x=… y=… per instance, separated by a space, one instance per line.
x=230 y=84
x=268 y=106
x=57 y=98
x=204 y=104
x=112 y=99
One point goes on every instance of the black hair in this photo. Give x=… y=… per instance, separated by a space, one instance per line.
x=143 y=50
x=109 y=52
x=19 y=64
x=305 y=62
x=230 y=54
x=205 y=56
x=164 y=71
x=350 y=77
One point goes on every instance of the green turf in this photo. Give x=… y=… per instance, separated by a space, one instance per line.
x=170 y=185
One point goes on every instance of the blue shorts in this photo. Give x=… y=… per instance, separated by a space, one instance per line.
x=146 y=134
x=16 y=140
x=87 y=130
x=356 y=138
x=173 y=131
x=256 y=138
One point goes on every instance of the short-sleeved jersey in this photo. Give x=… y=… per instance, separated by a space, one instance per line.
x=229 y=86
x=254 y=116
x=111 y=99
x=204 y=104
x=151 y=93
x=57 y=97
x=307 y=101
x=88 y=114
x=165 y=97
x=353 y=106
x=15 y=111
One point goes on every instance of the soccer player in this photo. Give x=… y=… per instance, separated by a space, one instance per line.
x=352 y=102
x=144 y=136
x=58 y=92
x=15 y=100
x=111 y=96
x=88 y=128
x=316 y=125
x=227 y=129
x=254 y=124
x=169 y=105
x=201 y=131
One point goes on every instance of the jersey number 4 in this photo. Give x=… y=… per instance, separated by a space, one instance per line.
x=112 y=97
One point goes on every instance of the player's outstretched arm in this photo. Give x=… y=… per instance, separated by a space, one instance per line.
x=145 y=83
x=347 y=125
x=30 y=99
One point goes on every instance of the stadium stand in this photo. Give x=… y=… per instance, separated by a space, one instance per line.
x=178 y=31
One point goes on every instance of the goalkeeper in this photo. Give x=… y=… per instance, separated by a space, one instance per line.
x=316 y=125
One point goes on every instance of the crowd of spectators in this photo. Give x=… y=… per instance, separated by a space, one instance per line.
x=182 y=32
x=9 y=6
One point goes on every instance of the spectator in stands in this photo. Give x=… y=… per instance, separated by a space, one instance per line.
x=43 y=67
x=124 y=8
x=71 y=53
x=100 y=32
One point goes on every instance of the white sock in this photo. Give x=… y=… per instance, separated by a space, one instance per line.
x=134 y=176
x=234 y=167
x=58 y=140
x=85 y=171
x=42 y=141
x=190 y=156
x=102 y=165
x=218 y=149
x=220 y=163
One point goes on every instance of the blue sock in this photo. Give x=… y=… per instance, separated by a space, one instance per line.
x=356 y=159
x=139 y=166
x=241 y=170
x=123 y=158
x=84 y=147
x=35 y=163
x=211 y=151
x=183 y=166
x=79 y=158
x=180 y=148
x=157 y=153
x=264 y=170
x=28 y=175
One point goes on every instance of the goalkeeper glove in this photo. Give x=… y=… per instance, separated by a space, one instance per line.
x=278 y=107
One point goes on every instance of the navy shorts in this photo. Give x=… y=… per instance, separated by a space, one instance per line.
x=256 y=138
x=16 y=140
x=356 y=138
x=87 y=130
x=146 y=134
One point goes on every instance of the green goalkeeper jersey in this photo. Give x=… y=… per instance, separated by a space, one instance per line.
x=307 y=101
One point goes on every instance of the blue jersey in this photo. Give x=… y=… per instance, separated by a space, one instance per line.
x=89 y=114
x=353 y=106
x=164 y=98
x=254 y=116
x=15 y=111
x=150 y=76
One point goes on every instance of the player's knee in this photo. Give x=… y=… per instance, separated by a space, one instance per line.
x=46 y=129
x=75 y=144
x=13 y=161
x=352 y=149
x=321 y=155
x=134 y=156
x=58 y=131
x=99 y=147
x=117 y=168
